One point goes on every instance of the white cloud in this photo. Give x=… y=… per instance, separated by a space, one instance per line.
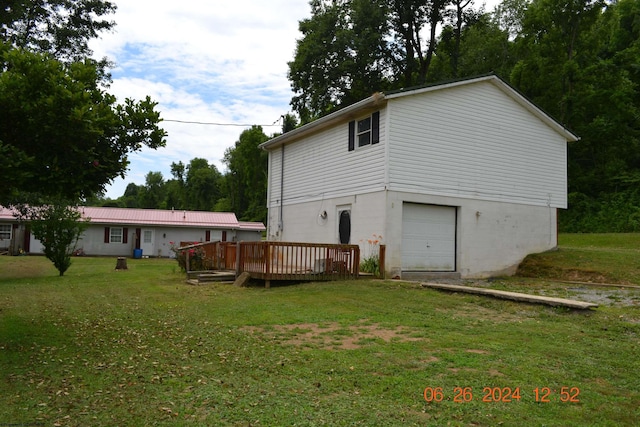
x=201 y=61
x=206 y=61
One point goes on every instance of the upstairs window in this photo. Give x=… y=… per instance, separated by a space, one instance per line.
x=365 y=131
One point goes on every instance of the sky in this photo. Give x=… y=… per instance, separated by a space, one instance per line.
x=203 y=61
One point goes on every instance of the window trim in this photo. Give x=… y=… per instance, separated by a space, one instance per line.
x=108 y=235
x=10 y=232
x=111 y=235
x=373 y=131
x=363 y=136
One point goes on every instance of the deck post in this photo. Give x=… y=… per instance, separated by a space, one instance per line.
x=267 y=259
x=239 y=259
x=356 y=262
x=382 y=255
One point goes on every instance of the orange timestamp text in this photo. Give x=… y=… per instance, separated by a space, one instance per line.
x=502 y=394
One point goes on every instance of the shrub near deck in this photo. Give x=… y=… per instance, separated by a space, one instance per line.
x=139 y=347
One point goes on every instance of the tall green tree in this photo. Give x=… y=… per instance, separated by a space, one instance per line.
x=153 y=194
x=61 y=28
x=131 y=196
x=472 y=43
x=246 y=178
x=408 y=21
x=64 y=132
x=579 y=61
x=202 y=185
x=341 y=57
x=351 y=49
x=555 y=49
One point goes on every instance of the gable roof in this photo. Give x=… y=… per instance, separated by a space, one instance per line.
x=158 y=217
x=175 y=218
x=378 y=100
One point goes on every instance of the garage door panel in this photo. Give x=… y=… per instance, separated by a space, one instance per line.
x=428 y=237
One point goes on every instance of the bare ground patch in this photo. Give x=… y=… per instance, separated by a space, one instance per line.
x=334 y=336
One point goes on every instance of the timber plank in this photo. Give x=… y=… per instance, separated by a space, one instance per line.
x=515 y=296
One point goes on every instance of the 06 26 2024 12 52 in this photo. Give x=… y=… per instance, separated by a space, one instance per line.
x=563 y=394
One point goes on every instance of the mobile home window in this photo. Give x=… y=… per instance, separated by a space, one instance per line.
x=5 y=232
x=115 y=235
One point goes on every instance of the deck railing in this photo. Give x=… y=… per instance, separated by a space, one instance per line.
x=298 y=261
x=214 y=255
x=281 y=260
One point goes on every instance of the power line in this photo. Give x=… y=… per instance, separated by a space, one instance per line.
x=219 y=124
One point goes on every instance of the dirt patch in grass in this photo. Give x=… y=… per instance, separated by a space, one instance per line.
x=536 y=268
x=334 y=336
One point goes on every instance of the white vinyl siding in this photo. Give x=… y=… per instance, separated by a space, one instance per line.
x=322 y=166
x=475 y=142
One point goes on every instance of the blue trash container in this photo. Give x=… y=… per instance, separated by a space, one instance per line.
x=137 y=253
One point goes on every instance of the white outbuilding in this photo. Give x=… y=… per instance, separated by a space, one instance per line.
x=461 y=179
x=135 y=232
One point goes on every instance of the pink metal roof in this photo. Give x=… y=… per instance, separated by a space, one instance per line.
x=172 y=218
x=6 y=214
x=167 y=218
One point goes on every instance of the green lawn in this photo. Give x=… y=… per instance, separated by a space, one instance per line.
x=140 y=347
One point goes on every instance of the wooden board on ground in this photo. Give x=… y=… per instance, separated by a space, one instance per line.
x=515 y=296
x=242 y=279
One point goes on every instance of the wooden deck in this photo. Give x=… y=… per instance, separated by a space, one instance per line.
x=281 y=260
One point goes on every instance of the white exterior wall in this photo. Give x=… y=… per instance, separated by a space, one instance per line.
x=474 y=141
x=492 y=237
x=244 y=236
x=319 y=168
x=472 y=147
x=303 y=223
x=92 y=241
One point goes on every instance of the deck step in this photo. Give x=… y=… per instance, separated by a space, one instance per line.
x=216 y=277
x=196 y=277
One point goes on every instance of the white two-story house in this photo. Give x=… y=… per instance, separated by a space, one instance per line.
x=462 y=179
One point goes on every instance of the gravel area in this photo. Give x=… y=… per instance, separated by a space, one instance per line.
x=602 y=295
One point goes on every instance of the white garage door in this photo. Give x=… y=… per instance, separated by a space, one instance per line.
x=428 y=237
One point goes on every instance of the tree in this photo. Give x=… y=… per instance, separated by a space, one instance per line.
x=131 y=196
x=483 y=47
x=408 y=18
x=63 y=132
x=247 y=177
x=153 y=193
x=351 y=49
x=65 y=135
x=58 y=226
x=555 y=50
x=61 y=28
x=202 y=185
x=579 y=61
x=341 y=57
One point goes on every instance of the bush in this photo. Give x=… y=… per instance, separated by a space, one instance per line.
x=609 y=213
x=197 y=258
